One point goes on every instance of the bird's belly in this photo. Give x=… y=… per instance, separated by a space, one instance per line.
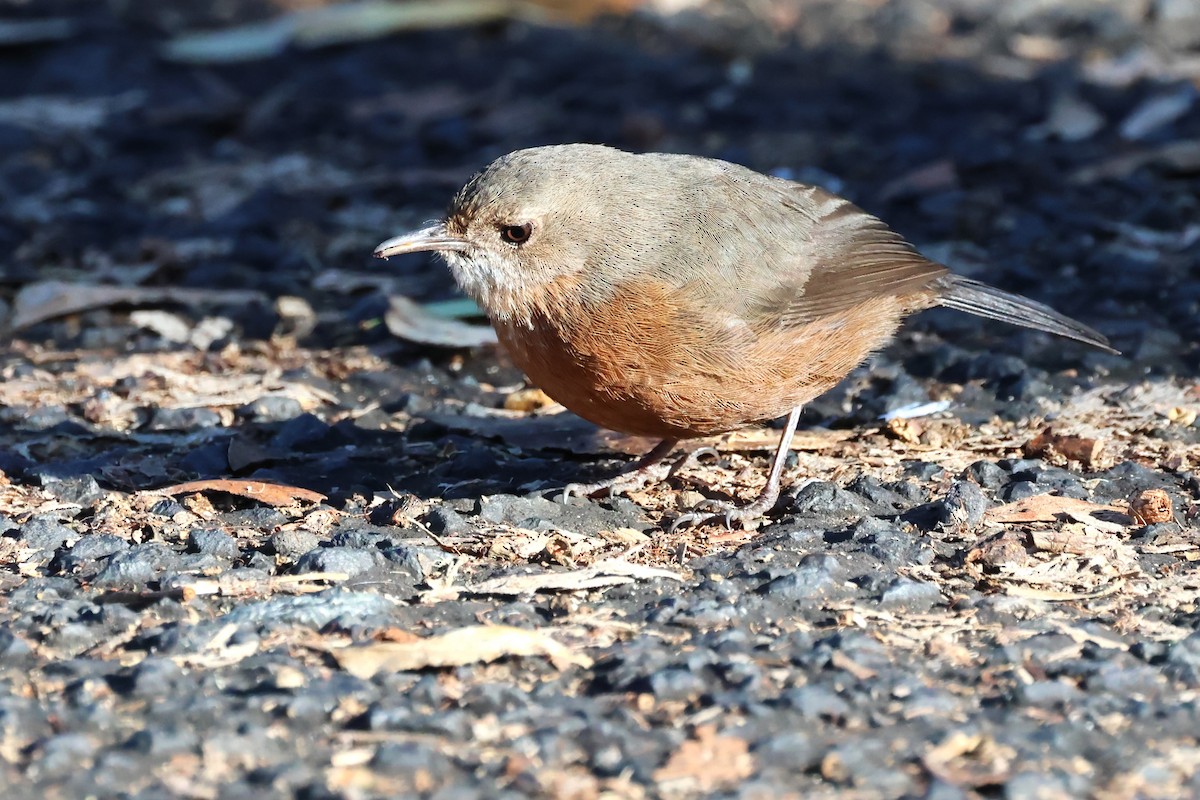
x=602 y=386
x=635 y=369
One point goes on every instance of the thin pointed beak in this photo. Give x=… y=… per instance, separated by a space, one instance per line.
x=432 y=238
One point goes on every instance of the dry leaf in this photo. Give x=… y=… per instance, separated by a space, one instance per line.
x=337 y=24
x=38 y=302
x=470 y=645
x=408 y=320
x=1049 y=508
x=708 y=762
x=273 y=494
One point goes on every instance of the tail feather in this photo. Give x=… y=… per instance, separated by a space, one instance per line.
x=982 y=300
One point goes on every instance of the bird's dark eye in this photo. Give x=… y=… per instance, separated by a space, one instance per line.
x=516 y=234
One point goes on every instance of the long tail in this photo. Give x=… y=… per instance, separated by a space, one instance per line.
x=978 y=298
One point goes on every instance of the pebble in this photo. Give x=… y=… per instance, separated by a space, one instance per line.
x=271 y=408
x=963 y=506
x=81 y=490
x=351 y=561
x=212 y=542
x=47 y=533
x=90 y=549
x=292 y=543
x=905 y=595
x=183 y=419
x=137 y=567
x=825 y=499
x=818 y=578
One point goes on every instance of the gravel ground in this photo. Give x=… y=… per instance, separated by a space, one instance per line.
x=253 y=544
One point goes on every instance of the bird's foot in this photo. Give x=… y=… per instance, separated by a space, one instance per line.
x=624 y=482
x=637 y=478
x=715 y=511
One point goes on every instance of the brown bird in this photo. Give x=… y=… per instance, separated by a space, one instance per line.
x=675 y=296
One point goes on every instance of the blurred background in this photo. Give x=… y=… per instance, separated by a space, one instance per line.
x=185 y=175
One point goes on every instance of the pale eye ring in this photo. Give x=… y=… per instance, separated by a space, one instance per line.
x=516 y=234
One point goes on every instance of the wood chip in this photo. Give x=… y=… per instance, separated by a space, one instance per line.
x=1073 y=448
x=471 y=645
x=273 y=494
x=906 y=430
x=1052 y=508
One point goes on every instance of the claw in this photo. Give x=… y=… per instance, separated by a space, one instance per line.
x=762 y=504
x=723 y=513
x=648 y=469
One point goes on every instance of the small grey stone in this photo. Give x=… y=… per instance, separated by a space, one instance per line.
x=793 y=751
x=443 y=519
x=11 y=645
x=1049 y=694
x=868 y=762
x=45 y=532
x=262 y=518
x=167 y=507
x=291 y=544
x=183 y=419
x=818 y=577
x=410 y=558
x=905 y=594
x=1005 y=609
x=406 y=758
x=1020 y=490
x=890 y=544
x=155 y=678
x=350 y=561
x=1026 y=785
x=1125 y=681
x=817 y=702
x=90 y=549
x=271 y=408
x=870 y=489
x=212 y=542
x=65 y=752
x=677 y=684
x=987 y=474
x=1183 y=659
x=963 y=506
x=137 y=566
x=163 y=740
x=923 y=470
x=305 y=429
x=527 y=512
x=826 y=499
x=940 y=790
x=79 y=490
x=363 y=539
